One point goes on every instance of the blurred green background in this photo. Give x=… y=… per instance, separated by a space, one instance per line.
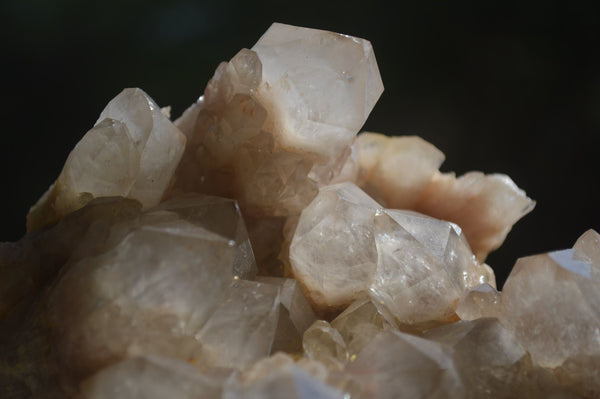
x=510 y=87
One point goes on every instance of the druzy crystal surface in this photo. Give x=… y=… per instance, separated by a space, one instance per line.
x=257 y=247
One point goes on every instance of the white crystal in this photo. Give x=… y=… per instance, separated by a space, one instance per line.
x=299 y=64
x=132 y=152
x=397 y=365
x=414 y=267
x=551 y=303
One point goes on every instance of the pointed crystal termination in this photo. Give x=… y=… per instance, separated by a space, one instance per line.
x=249 y=318
x=132 y=151
x=156 y=285
x=415 y=268
x=492 y=364
x=551 y=301
x=480 y=301
x=299 y=65
x=264 y=134
x=333 y=253
x=155 y=291
x=398 y=365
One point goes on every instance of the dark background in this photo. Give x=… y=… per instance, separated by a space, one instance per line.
x=510 y=87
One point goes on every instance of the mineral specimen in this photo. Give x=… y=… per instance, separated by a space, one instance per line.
x=132 y=151
x=414 y=267
x=257 y=248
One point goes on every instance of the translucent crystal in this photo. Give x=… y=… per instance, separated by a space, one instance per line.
x=132 y=152
x=192 y=259
x=358 y=325
x=263 y=127
x=551 y=303
x=324 y=343
x=295 y=315
x=242 y=329
x=579 y=374
x=402 y=173
x=299 y=64
x=424 y=265
x=480 y=301
x=152 y=378
x=587 y=249
x=396 y=365
x=414 y=267
x=34 y=260
x=490 y=361
x=148 y=295
x=333 y=251
x=221 y=216
x=152 y=286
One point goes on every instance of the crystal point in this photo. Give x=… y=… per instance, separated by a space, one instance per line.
x=298 y=63
x=551 y=303
x=132 y=151
x=258 y=248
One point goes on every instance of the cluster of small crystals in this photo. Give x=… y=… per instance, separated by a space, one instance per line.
x=257 y=247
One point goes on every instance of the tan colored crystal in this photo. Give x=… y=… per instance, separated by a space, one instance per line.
x=396 y=365
x=262 y=126
x=424 y=265
x=402 y=173
x=295 y=315
x=324 y=343
x=136 y=286
x=153 y=285
x=132 y=151
x=491 y=362
x=333 y=252
x=358 y=325
x=480 y=301
x=414 y=267
x=248 y=317
x=551 y=303
x=298 y=65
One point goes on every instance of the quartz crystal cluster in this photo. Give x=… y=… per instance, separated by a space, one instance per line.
x=257 y=247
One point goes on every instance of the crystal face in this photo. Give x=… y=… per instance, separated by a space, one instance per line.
x=256 y=247
x=299 y=65
x=346 y=246
x=132 y=151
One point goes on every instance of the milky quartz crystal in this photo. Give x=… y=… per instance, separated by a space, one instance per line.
x=132 y=151
x=263 y=123
x=256 y=247
x=347 y=246
x=551 y=301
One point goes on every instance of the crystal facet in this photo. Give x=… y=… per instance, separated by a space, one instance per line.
x=255 y=248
